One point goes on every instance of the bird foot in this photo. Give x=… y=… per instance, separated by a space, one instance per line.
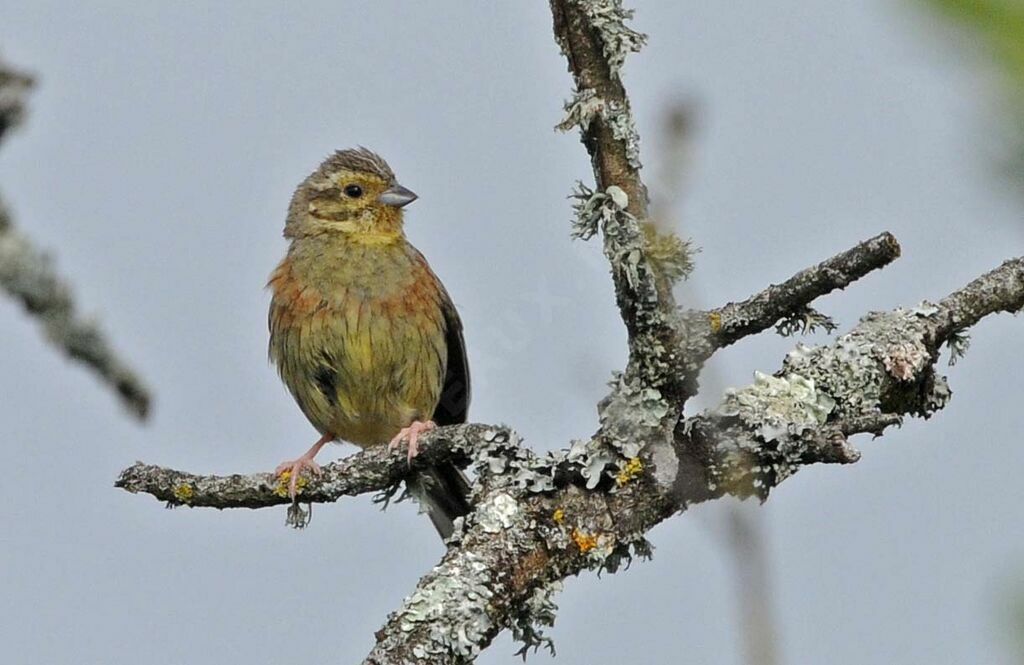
x=295 y=467
x=412 y=434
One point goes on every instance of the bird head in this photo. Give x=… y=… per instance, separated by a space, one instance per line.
x=353 y=192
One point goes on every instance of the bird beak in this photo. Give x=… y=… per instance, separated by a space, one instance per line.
x=397 y=196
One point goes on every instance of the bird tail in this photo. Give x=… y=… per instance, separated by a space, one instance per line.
x=443 y=492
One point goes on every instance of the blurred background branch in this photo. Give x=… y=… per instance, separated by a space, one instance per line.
x=745 y=531
x=27 y=275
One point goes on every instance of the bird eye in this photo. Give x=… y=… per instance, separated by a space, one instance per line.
x=353 y=191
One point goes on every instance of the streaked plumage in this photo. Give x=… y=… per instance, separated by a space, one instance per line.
x=363 y=333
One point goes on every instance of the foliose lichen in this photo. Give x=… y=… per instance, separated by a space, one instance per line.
x=586 y=104
x=499 y=511
x=778 y=408
x=887 y=353
x=619 y=40
x=452 y=607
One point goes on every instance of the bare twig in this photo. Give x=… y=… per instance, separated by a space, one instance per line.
x=732 y=322
x=997 y=291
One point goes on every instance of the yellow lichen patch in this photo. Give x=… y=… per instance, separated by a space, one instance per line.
x=283 y=481
x=183 y=492
x=584 y=541
x=715 y=319
x=630 y=471
x=558 y=516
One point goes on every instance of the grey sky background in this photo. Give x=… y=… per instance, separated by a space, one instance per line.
x=163 y=143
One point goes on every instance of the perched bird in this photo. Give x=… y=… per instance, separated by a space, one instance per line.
x=363 y=333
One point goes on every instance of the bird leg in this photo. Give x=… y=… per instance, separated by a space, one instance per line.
x=305 y=461
x=412 y=433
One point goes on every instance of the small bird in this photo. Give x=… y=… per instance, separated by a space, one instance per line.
x=362 y=332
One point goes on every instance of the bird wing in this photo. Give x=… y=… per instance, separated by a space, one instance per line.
x=453 y=404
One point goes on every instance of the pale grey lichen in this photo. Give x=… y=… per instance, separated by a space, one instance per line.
x=497 y=512
x=581 y=109
x=504 y=462
x=593 y=460
x=624 y=245
x=619 y=40
x=630 y=413
x=778 y=408
x=606 y=544
x=846 y=369
x=587 y=211
x=452 y=606
x=886 y=352
x=586 y=105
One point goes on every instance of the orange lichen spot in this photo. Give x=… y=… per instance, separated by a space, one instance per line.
x=629 y=471
x=183 y=492
x=558 y=516
x=584 y=541
x=715 y=319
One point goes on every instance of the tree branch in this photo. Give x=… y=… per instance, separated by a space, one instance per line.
x=371 y=470
x=732 y=322
x=538 y=519
x=513 y=550
x=997 y=291
x=28 y=276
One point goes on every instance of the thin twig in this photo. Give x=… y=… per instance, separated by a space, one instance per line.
x=732 y=322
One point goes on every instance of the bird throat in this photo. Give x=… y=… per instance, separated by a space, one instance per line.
x=366 y=229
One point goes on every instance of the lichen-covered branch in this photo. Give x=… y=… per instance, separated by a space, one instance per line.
x=595 y=39
x=371 y=470
x=27 y=275
x=517 y=546
x=1001 y=290
x=761 y=311
x=538 y=519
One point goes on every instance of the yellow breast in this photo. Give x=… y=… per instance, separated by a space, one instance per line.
x=357 y=334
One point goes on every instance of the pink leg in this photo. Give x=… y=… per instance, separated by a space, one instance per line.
x=412 y=434
x=297 y=466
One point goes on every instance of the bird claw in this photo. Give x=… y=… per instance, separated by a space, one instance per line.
x=295 y=468
x=412 y=434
